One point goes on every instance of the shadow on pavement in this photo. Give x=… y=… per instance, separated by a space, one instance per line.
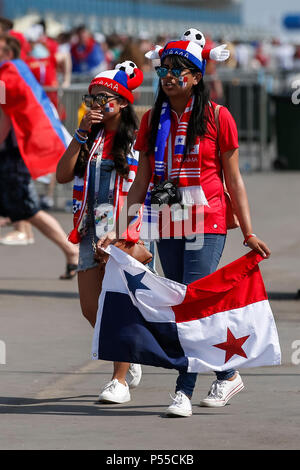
x=283 y=296
x=64 y=407
x=39 y=293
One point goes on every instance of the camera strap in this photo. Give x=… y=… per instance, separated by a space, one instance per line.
x=170 y=159
x=178 y=211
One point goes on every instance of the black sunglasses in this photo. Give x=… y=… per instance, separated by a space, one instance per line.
x=101 y=99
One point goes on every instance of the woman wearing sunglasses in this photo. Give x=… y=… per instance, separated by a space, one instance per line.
x=184 y=143
x=102 y=163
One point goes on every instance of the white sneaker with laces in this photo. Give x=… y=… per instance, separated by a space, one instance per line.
x=221 y=391
x=134 y=375
x=114 y=392
x=181 y=405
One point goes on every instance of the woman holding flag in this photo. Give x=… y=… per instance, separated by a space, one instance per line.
x=101 y=161
x=187 y=145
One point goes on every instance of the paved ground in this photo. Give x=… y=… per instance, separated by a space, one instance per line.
x=49 y=384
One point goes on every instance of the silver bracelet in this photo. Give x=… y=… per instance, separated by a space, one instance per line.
x=82 y=137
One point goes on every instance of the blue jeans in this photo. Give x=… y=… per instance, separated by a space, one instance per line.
x=185 y=261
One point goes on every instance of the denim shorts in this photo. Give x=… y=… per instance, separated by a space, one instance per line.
x=18 y=197
x=86 y=252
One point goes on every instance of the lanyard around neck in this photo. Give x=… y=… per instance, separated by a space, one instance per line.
x=100 y=145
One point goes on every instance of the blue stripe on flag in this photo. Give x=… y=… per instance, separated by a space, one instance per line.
x=132 y=161
x=40 y=96
x=134 y=339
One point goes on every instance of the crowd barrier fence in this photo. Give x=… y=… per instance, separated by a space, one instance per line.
x=247 y=98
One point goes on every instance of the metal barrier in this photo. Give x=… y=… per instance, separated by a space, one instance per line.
x=245 y=96
x=71 y=99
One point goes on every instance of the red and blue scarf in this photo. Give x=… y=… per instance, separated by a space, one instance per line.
x=170 y=164
x=121 y=188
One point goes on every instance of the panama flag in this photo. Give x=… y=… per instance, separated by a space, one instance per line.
x=40 y=135
x=220 y=322
x=183 y=80
x=179 y=144
x=109 y=107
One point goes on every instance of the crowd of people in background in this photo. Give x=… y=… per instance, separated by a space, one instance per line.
x=79 y=53
x=272 y=55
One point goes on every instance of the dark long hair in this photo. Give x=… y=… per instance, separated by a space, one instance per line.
x=199 y=116
x=122 y=144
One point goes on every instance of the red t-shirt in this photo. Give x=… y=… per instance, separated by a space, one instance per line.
x=211 y=169
x=44 y=71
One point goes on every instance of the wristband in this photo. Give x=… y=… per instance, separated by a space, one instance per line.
x=82 y=130
x=82 y=137
x=78 y=139
x=247 y=238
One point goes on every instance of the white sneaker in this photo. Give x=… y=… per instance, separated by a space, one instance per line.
x=14 y=238
x=115 y=392
x=181 y=405
x=222 y=390
x=134 y=375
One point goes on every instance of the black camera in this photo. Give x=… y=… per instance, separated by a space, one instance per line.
x=165 y=192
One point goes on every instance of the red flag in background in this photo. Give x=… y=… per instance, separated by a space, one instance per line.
x=40 y=135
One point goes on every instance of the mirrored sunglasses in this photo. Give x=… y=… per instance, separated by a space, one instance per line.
x=101 y=99
x=163 y=71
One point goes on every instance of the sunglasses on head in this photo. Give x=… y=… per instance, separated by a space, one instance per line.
x=101 y=99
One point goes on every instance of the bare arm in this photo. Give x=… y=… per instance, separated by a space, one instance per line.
x=66 y=165
x=64 y=62
x=137 y=193
x=236 y=188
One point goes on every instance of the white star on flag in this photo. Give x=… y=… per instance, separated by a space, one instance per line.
x=180 y=140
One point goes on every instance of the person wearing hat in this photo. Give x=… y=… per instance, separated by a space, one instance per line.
x=101 y=162
x=189 y=142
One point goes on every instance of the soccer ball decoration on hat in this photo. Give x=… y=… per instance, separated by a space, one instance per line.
x=128 y=67
x=125 y=78
x=194 y=35
x=192 y=46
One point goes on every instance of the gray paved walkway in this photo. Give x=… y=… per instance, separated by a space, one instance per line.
x=49 y=384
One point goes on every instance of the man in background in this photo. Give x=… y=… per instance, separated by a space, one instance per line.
x=18 y=197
